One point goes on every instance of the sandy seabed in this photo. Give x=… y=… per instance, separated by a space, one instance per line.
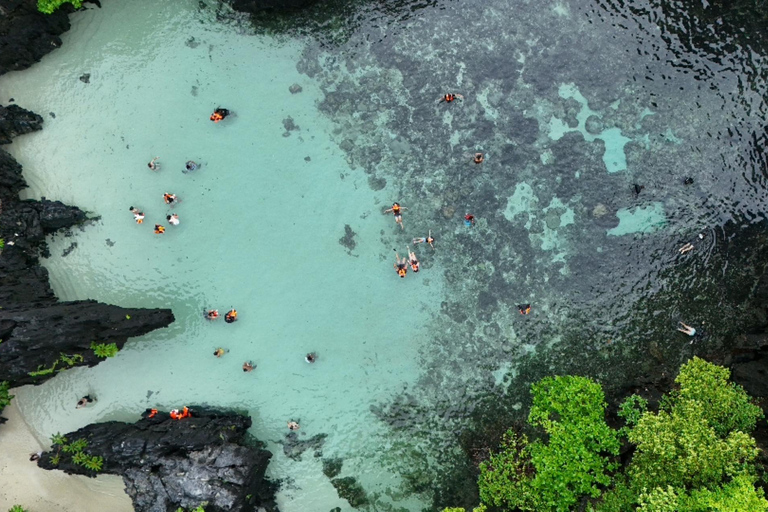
x=37 y=490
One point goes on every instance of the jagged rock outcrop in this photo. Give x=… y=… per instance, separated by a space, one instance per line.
x=26 y=35
x=167 y=463
x=40 y=335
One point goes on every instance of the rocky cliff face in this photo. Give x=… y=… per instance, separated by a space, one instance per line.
x=40 y=335
x=168 y=463
x=26 y=35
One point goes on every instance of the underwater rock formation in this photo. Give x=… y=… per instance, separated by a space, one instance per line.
x=26 y=35
x=253 y=6
x=40 y=335
x=166 y=464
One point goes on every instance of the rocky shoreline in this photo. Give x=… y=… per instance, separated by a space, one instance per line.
x=167 y=463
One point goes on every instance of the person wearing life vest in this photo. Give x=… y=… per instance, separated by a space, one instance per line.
x=413 y=260
x=219 y=114
x=152 y=413
x=159 y=230
x=524 y=308
x=231 y=316
x=138 y=216
x=185 y=413
x=401 y=265
x=175 y=414
x=169 y=198
x=397 y=211
x=211 y=314
x=450 y=97
x=425 y=240
x=469 y=220
x=219 y=352
x=478 y=158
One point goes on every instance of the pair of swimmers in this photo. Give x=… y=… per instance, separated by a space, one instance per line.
x=190 y=166
x=401 y=264
x=213 y=314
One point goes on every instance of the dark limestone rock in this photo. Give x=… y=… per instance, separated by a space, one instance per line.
x=41 y=335
x=254 y=6
x=85 y=78
x=15 y=121
x=332 y=467
x=167 y=463
x=26 y=35
x=35 y=335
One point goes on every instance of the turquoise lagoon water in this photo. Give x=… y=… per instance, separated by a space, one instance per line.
x=571 y=114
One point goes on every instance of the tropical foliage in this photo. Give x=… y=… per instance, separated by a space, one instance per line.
x=49 y=6
x=695 y=454
x=5 y=396
x=104 y=349
x=75 y=450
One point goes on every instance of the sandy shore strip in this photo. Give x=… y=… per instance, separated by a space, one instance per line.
x=37 y=490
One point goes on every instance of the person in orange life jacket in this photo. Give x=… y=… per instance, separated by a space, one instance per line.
x=231 y=316
x=397 y=210
x=401 y=265
x=478 y=158
x=524 y=308
x=413 y=260
x=219 y=114
x=169 y=198
x=159 y=230
x=450 y=97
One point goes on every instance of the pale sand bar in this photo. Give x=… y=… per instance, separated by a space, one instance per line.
x=37 y=490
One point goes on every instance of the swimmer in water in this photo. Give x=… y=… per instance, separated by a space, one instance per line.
x=85 y=402
x=190 y=166
x=401 y=265
x=173 y=219
x=137 y=215
x=231 y=316
x=686 y=248
x=211 y=314
x=524 y=308
x=687 y=329
x=219 y=352
x=154 y=166
x=412 y=259
x=219 y=114
x=426 y=240
x=159 y=230
x=469 y=220
x=450 y=97
x=248 y=366
x=169 y=198
x=478 y=158
x=292 y=425
x=311 y=357
x=397 y=210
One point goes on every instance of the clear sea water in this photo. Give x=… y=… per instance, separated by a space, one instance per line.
x=573 y=102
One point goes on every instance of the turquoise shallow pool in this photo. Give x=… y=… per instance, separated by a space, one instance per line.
x=285 y=184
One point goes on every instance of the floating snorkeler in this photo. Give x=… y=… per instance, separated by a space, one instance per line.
x=170 y=198
x=450 y=97
x=397 y=210
x=248 y=366
x=426 y=240
x=154 y=166
x=524 y=308
x=159 y=230
x=401 y=265
x=219 y=114
x=210 y=314
x=190 y=166
x=413 y=260
x=311 y=357
x=469 y=220
x=231 y=316
x=138 y=216
x=173 y=219
x=478 y=158
x=220 y=352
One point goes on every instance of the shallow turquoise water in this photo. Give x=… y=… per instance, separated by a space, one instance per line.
x=260 y=229
x=572 y=109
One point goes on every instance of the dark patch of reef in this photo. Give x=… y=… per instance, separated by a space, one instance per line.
x=41 y=335
x=206 y=459
x=256 y=6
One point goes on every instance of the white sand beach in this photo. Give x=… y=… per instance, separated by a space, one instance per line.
x=37 y=490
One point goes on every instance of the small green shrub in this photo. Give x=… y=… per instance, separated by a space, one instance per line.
x=17 y=508
x=49 y=6
x=5 y=396
x=58 y=439
x=104 y=349
x=632 y=409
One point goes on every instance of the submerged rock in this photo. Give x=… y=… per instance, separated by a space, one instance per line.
x=167 y=464
x=348 y=240
x=254 y=6
x=348 y=489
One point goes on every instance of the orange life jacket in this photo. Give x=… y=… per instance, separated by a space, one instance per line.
x=401 y=272
x=396 y=209
x=139 y=221
x=232 y=314
x=449 y=97
x=152 y=413
x=216 y=117
x=415 y=266
x=185 y=413
x=175 y=414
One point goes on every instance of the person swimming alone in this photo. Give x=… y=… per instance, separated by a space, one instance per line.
x=85 y=402
x=153 y=165
x=478 y=158
x=173 y=219
x=169 y=198
x=311 y=357
x=219 y=352
x=231 y=316
x=190 y=166
x=524 y=308
x=211 y=314
x=219 y=114
x=425 y=240
x=248 y=366
x=413 y=260
x=397 y=210
x=469 y=220
x=450 y=97
x=401 y=265
x=159 y=230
